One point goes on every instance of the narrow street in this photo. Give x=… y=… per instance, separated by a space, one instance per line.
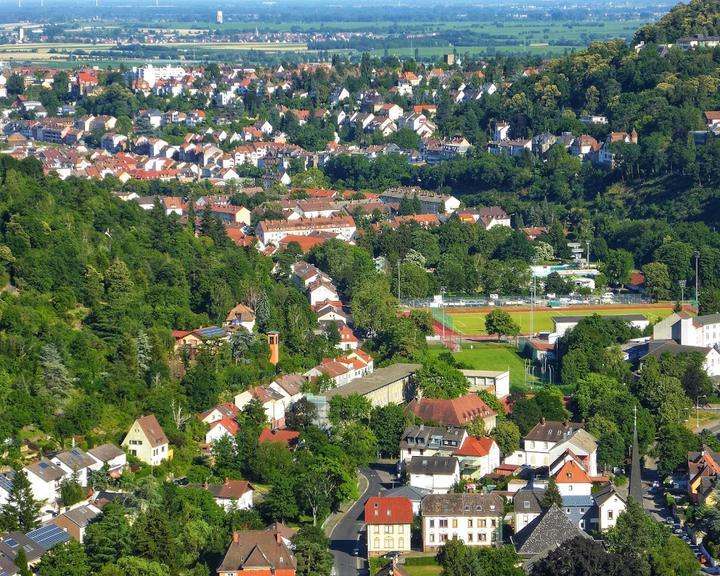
x=349 y=533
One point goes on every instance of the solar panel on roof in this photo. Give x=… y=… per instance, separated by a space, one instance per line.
x=43 y=465
x=11 y=542
x=48 y=536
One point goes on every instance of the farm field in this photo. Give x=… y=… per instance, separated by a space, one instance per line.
x=473 y=323
x=490 y=356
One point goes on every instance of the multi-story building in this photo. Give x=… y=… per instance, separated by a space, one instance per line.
x=388 y=521
x=476 y=519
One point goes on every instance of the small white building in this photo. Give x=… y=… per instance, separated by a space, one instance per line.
x=610 y=505
x=75 y=462
x=108 y=455
x=45 y=478
x=272 y=401
x=389 y=522
x=227 y=427
x=478 y=456
x=439 y=474
x=232 y=494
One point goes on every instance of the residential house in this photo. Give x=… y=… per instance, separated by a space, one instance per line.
x=491 y=216
x=289 y=386
x=430 y=203
x=272 y=401
x=224 y=428
x=509 y=147
x=689 y=330
x=227 y=410
x=562 y=324
x=110 y=456
x=258 y=553
x=478 y=456
x=12 y=542
x=75 y=463
x=241 y=315
x=388 y=520
x=146 y=440
x=526 y=507
x=45 y=478
x=609 y=505
x=548 y=440
x=439 y=474
x=321 y=291
x=273 y=231
x=712 y=119
x=638 y=352
x=421 y=440
x=573 y=480
x=348 y=340
x=76 y=520
x=231 y=494
x=389 y=385
x=475 y=519
x=456 y=412
x=703 y=469
x=544 y=534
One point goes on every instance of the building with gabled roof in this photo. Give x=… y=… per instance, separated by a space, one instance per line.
x=455 y=412
x=478 y=456
x=231 y=494
x=389 y=521
x=258 y=553
x=146 y=440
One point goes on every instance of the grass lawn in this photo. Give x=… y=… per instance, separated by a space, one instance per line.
x=491 y=356
x=474 y=322
x=423 y=570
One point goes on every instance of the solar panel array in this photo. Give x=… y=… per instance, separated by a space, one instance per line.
x=49 y=536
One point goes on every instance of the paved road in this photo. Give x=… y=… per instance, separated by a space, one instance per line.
x=345 y=536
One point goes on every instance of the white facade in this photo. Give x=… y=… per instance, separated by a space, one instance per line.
x=245 y=502
x=217 y=431
x=436 y=483
x=388 y=538
x=609 y=510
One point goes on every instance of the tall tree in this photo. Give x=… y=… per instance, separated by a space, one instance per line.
x=21 y=511
x=551 y=496
x=500 y=323
x=68 y=559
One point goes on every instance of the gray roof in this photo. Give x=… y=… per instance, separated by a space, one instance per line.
x=106 y=452
x=635 y=491
x=412 y=493
x=380 y=378
x=463 y=504
x=545 y=533
x=75 y=459
x=623 y=317
x=432 y=465
x=433 y=437
x=657 y=348
x=552 y=431
x=707 y=319
x=7 y=568
x=82 y=515
x=10 y=545
x=528 y=501
x=6 y=481
x=46 y=470
x=605 y=493
x=585 y=501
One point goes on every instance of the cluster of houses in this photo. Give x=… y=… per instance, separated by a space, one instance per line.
x=584 y=146
x=435 y=459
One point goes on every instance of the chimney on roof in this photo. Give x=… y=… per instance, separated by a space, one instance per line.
x=278 y=536
x=542 y=420
x=236 y=537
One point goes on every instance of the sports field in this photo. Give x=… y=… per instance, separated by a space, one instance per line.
x=473 y=322
x=490 y=356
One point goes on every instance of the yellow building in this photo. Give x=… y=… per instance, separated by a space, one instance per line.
x=388 y=522
x=146 y=441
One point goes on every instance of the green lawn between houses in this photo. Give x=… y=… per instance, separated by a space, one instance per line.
x=490 y=356
x=474 y=322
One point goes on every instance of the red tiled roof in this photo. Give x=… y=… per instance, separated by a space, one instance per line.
x=474 y=446
x=228 y=423
x=388 y=510
x=637 y=279
x=457 y=412
x=287 y=437
x=572 y=473
x=152 y=430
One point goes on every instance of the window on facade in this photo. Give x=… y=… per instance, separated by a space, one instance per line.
x=443 y=537
x=493 y=523
x=610 y=514
x=454 y=523
x=431 y=524
x=388 y=543
x=482 y=538
x=376 y=529
x=401 y=543
x=376 y=543
x=582 y=524
x=431 y=538
x=470 y=537
x=388 y=529
x=443 y=523
x=482 y=523
x=470 y=523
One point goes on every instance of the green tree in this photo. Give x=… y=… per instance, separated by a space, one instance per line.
x=507 y=436
x=551 y=496
x=358 y=442
x=21 y=562
x=68 y=559
x=279 y=504
x=272 y=460
x=70 y=491
x=108 y=538
x=131 y=566
x=373 y=306
x=657 y=280
x=388 y=423
x=153 y=538
x=312 y=552
x=300 y=415
x=636 y=535
x=675 y=558
x=350 y=408
x=499 y=322
x=21 y=511
x=437 y=379
x=617 y=267
x=582 y=556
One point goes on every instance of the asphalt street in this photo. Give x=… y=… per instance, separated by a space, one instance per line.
x=349 y=533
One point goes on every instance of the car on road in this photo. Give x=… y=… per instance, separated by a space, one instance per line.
x=392 y=555
x=356 y=550
x=670 y=520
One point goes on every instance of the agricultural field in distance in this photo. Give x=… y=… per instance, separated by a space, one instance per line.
x=473 y=322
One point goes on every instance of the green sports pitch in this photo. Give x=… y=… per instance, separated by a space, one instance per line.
x=473 y=323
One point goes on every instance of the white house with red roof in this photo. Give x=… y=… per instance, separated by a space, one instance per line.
x=573 y=480
x=348 y=340
x=231 y=494
x=388 y=521
x=478 y=456
x=224 y=428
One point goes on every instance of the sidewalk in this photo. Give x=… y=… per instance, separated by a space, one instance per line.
x=334 y=519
